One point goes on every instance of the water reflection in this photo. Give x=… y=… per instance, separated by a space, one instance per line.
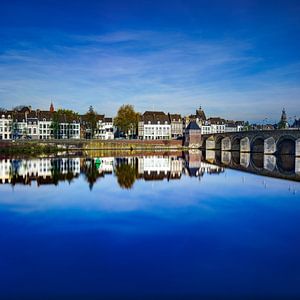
x=128 y=169
x=162 y=224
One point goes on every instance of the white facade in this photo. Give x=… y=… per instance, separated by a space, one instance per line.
x=45 y=130
x=69 y=130
x=157 y=131
x=105 y=130
x=5 y=127
x=19 y=128
x=212 y=128
x=231 y=128
x=33 y=128
x=217 y=128
x=205 y=129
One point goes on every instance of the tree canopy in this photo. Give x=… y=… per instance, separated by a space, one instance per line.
x=62 y=115
x=91 y=121
x=127 y=119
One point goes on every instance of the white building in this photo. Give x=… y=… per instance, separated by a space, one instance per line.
x=32 y=127
x=105 y=129
x=6 y=125
x=176 y=125
x=232 y=126
x=155 y=126
x=69 y=130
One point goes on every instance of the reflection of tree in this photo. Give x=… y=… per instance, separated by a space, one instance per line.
x=91 y=172
x=55 y=172
x=126 y=175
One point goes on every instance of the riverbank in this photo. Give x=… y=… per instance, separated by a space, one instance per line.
x=37 y=147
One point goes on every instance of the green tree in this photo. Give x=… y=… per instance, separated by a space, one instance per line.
x=63 y=116
x=91 y=121
x=127 y=120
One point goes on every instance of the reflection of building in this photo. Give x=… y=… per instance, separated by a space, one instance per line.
x=160 y=167
x=194 y=166
x=105 y=164
x=5 y=171
x=41 y=170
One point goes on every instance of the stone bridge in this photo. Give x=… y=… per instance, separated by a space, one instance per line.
x=265 y=141
x=282 y=166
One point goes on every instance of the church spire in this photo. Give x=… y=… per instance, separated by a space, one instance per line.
x=51 y=107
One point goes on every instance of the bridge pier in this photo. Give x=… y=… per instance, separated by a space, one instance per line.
x=226 y=144
x=226 y=157
x=210 y=144
x=297 y=165
x=245 y=159
x=297 y=145
x=269 y=145
x=245 y=145
x=210 y=156
x=269 y=162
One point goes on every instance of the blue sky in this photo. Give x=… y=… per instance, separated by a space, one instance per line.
x=238 y=59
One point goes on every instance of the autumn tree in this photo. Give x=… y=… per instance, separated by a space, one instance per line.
x=127 y=120
x=126 y=175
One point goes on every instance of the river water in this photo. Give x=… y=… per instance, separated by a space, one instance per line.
x=151 y=226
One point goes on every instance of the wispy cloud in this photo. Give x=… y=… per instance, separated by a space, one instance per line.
x=170 y=70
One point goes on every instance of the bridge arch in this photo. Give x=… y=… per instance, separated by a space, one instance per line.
x=286 y=164
x=286 y=145
x=257 y=144
x=236 y=143
x=257 y=161
x=218 y=142
x=236 y=158
x=203 y=140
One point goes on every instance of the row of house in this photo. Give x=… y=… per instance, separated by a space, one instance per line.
x=26 y=123
x=153 y=125
x=157 y=125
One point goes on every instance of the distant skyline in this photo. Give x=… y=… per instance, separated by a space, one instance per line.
x=236 y=59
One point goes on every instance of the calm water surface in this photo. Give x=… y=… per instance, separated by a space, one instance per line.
x=149 y=226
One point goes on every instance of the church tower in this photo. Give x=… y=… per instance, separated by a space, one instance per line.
x=283 y=124
x=51 y=107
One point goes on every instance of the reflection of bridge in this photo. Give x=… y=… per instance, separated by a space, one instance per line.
x=280 y=166
x=267 y=141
